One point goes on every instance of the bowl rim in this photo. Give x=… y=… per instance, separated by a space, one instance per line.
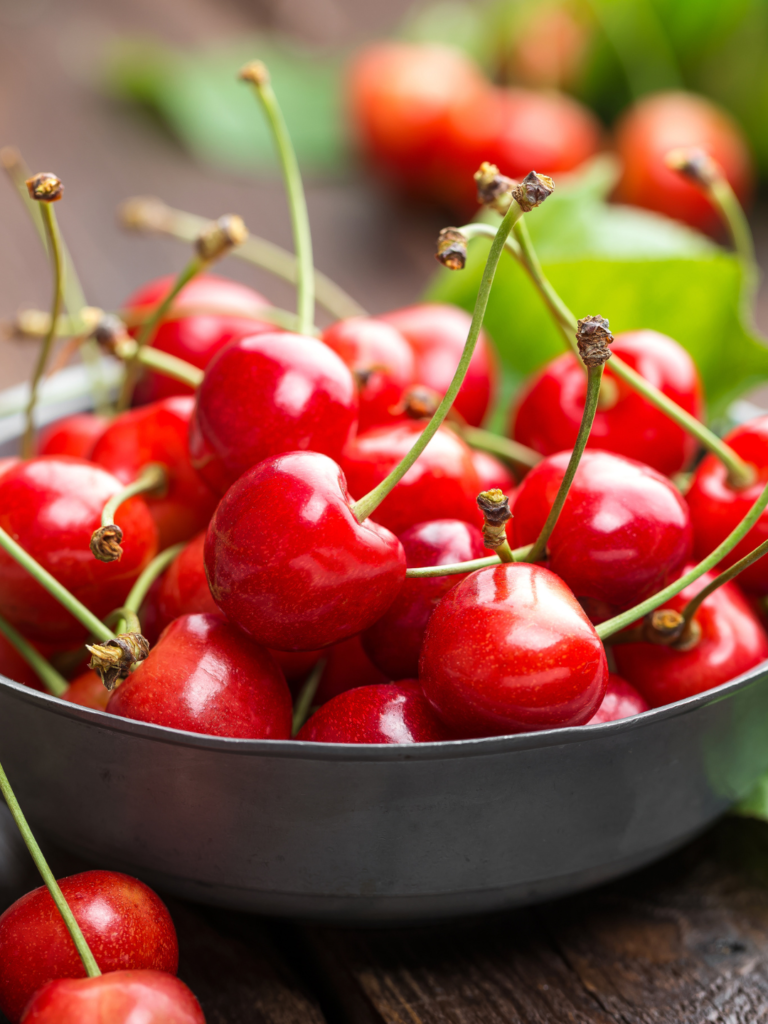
x=361 y=752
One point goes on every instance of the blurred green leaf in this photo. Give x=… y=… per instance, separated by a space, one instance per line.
x=198 y=96
x=756 y=804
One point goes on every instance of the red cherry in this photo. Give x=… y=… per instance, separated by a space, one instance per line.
x=88 y=691
x=620 y=701
x=183 y=588
x=717 y=508
x=491 y=472
x=124 y=923
x=160 y=433
x=548 y=413
x=443 y=477
x=668 y=120
x=204 y=676
x=624 y=531
x=510 y=650
x=51 y=505
x=437 y=334
x=270 y=394
x=381 y=360
x=394 y=642
x=288 y=561
x=195 y=337
x=389 y=713
x=73 y=435
x=732 y=641
x=347 y=666
x=123 y=997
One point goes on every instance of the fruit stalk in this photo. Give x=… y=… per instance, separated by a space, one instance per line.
x=724 y=577
x=140 y=588
x=53 y=681
x=476 y=437
x=105 y=541
x=304 y=700
x=111 y=334
x=494 y=505
x=457 y=568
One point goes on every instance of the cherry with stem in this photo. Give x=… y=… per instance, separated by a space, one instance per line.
x=111 y=334
x=141 y=587
x=105 y=541
x=53 y=681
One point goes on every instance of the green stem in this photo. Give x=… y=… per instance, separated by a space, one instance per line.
x=725 y=577
x=498 y=445
x=297 y=203
x=162 y=362
x=267 y=314
x=594 y=378
x=94 y=626
x=126 y=620
x=366 y=505
x=735 y=220
x=156 y=568
x=54 y=682
x=457 y=568
x=54 y=242
x=307 y=695
x=153 y=477
x=89 y=962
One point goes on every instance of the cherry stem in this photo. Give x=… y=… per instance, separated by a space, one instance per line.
x=162 y=362
x=513 y=451
x=725 y=577
x=140 y=588
x=366 y=505
x=457 y=568
x=268 y=314
x=54 y=682
x=94 y=626
x=126 y=620
x=258 y=76
x=594 y=379
x=153 y=477
x=306 y=696
x=89 y=961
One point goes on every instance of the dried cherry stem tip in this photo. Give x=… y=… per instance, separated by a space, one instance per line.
x=451 y=249
x=54 y=682
x=115 y=660
x=494 y=505
x=89 y=961
x=105 y=541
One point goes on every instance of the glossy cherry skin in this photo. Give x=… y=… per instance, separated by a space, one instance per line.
x=159 y=432
x=347 y=666
x=624 y=531
x=288 y=561
x=442 y=479
x=88 y=691
x=203 y=675
x=732 y=641
x=381 y=360
x=123 y=997
x=270 y=394
x=73 y=435
x=437 y=334
x=510 y=650
x=664 y=121
x=51 y=505
x=717 y=508
x=621 y=700
x=491 y=472
x=124 y=923
x=548 y=414
x=388 y=713
x=394 y=642
x=195 y=337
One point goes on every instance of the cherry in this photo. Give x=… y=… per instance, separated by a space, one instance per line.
x=296 y=666
x=624 y=531
x=88 y=691
x=388 y=713
x=437 y=334
x=73 y=435
x=732 y=641
x=204 y=676
x=620 y=701
x=665 y=121
x=195 y=337
x=381 y=360
x=159 y=432
x=347 y=666
x=510 y=650
x=123 y=997
x=270 y=394
x=548 y=413
x=124 y=923
x=288 y=561
x=491 y=472
x=717 y=507
x=51 y=505
x=394 y=642
x=443 y=478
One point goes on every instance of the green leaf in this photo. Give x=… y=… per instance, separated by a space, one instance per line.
x=217 y=117
x=756 y=804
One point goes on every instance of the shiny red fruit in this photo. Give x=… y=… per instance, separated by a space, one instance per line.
x=669 y=120
x=159 y=432
x=123 y=997
x=124 y=923
x=442 y=480
x=51 y=505
x=548 y=413
x=193 y=332
x=491 y=472
x=389 y=713
x=183 y=588
x=347 y=666
x=88 y=691
x=717 y=508
x=73 y=435
x=732 y=641
x=510 y=650
x=204 y=675
x=624 y=531
x=381 y=360
x=437 y=334
x=394 y=642
x=288 y=561
x=270 y=394
x=621 y=700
